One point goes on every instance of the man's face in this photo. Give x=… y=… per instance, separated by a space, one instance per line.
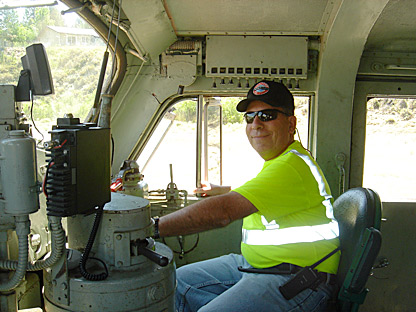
x=270 y=138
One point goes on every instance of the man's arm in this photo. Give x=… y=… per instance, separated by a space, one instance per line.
x=210 y=213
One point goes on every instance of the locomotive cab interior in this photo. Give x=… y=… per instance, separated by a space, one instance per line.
x=159 y=124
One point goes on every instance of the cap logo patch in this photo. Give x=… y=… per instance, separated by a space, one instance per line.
x=261 y=88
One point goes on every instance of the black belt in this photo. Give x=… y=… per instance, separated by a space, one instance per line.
x=288 y=268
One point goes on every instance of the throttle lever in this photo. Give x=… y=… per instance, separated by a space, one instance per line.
x=150 y=254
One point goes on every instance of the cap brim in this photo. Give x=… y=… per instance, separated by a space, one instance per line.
x=242 y=106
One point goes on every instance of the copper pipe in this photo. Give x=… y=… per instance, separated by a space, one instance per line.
x=165 y=5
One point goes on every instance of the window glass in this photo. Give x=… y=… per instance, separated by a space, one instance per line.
x=174 y=142
x=239 y=157
x=213 y=151
x=390 y=148
x=75 y=69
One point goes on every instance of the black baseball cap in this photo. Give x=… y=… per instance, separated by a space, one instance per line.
x=273 y=93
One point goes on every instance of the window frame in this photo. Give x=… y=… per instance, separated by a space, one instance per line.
x=364 y=89
x=201 y=128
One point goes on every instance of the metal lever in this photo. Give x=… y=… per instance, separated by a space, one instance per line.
x=340 y=159
x=150 y=254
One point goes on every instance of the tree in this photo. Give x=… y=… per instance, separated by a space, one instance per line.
x=56 y=18
x=15 y=32
x=80 y=23
x=35 y=19
x=9 y=24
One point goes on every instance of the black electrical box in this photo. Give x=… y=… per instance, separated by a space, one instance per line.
x=78 y=173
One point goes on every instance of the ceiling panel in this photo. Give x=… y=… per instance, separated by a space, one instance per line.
x=236 y=16
x=395 y=29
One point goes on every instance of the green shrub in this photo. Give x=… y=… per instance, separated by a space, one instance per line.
x=75 y=74
x=186 y=111
x=230 y=114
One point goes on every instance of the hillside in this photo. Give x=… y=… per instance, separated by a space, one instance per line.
x=75 y=73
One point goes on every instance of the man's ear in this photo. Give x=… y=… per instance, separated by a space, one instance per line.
x=292 y=124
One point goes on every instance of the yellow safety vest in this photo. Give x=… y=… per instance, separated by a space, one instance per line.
x=295 y=221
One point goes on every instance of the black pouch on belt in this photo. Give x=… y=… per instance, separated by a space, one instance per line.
x=305 y=278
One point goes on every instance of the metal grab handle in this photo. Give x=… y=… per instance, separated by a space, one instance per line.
x=150 y=254
x=340 y=159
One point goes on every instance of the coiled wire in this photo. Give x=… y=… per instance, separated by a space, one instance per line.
x=84 y=257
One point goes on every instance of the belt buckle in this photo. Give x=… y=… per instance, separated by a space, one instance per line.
x=286 y=268
x=293 y=268
x=328 y=278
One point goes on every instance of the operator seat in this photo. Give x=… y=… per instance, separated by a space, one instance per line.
x=358 y=212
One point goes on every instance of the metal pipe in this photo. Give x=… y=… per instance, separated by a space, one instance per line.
x=105 y=111
x=199 y=113
x=221 y=119
x=206 y=138
x=172 y=22
x=136 y=54
x=400 y=67
x=28 y=4
x=101 y=79
x=206 y=141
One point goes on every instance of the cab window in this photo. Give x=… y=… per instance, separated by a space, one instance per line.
x=226 y=155
x=74 y=67
x=390 y=148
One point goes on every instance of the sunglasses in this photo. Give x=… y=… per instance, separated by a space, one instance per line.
x=264 y=115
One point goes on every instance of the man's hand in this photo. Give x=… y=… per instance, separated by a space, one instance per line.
x=209 y=189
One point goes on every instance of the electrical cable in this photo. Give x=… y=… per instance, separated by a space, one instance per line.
x=102 y=262
x=112 y=149
x=58 y=240
x=22 y=231
x=297 y=131
x=183 y=252
x=60 y=145
x=33 y=122
x=115 y=45
x=50 y=164
x=111 y=26
x=84 y=257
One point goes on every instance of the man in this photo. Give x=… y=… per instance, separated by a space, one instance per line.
x=288 y=221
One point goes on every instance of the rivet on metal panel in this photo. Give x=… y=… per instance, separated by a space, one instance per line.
x=64 y=286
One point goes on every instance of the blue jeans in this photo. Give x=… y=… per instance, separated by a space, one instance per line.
x=216 y=285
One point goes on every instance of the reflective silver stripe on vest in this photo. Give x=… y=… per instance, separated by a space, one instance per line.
x=298 y=234
x=273 y=235
x=321 y=183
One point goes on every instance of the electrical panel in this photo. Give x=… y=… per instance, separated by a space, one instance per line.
x=273 y=57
